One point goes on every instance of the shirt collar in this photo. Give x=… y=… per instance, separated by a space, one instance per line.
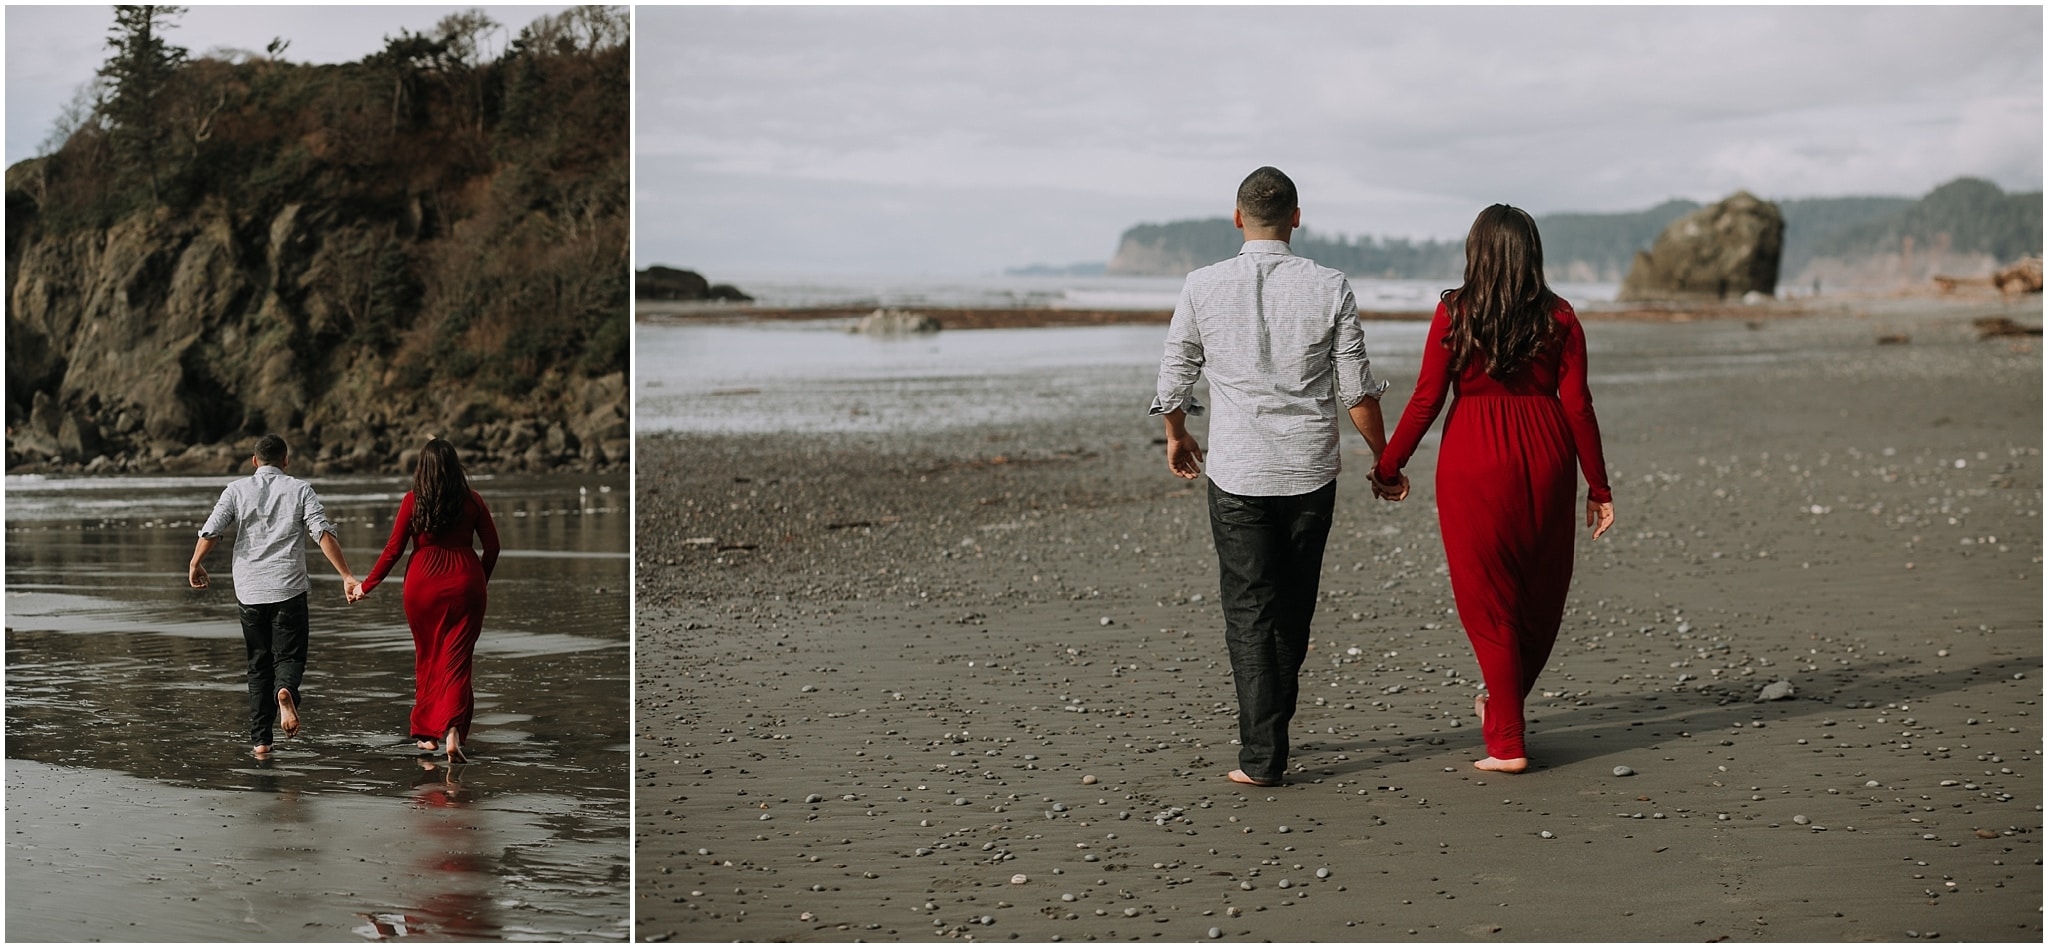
x=1267 y=246
x=270 y=468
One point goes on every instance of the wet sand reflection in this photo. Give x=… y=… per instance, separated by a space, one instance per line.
x=136 y=811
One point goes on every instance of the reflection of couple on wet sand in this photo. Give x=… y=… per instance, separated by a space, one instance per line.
x=444 y=596
x=1278 y=337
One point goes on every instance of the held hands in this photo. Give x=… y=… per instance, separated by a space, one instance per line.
x=1599 y=516
x=1396 y=492
x=1184 y=457
x=352 y=589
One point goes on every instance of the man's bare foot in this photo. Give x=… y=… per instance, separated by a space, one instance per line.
x=454 y=744
x=260 y=750
x=287 y=713
x=1239 y=776
x=1499 y=766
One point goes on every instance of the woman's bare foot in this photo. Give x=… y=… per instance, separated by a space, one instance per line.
x=1499 y=766
x=1239 y=776
x=426 y=745
x=1479 y=708
x=454 y=745
x=287 y=713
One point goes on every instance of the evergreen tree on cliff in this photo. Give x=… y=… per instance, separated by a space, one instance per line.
x=137 y=77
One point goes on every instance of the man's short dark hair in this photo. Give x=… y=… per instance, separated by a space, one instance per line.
x=1267 y=197
x=271 y=449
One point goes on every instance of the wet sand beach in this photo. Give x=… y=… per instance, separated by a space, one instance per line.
x=968 y=680
x=135 y=811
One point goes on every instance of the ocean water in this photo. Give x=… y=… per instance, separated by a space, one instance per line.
x=135 y=810
x=814 y=375
x=783 y=290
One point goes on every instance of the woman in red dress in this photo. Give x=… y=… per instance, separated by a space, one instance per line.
x=1514 y=356
x=444 y=592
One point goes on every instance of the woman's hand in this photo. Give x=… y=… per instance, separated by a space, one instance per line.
x=1397 y=491
x=1599 y=516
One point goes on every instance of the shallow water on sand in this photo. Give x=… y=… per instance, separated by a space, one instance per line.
x=813 y=375
x=135 y=809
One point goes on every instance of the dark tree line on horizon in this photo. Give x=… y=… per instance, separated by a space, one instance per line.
x=1968 y=215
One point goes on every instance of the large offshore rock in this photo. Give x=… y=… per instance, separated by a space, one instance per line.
x=1723 y=250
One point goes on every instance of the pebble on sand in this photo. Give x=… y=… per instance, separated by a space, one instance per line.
x=1624 y=771
x=1215 y=932
x=1019 y=879
x=1088 y=780
x=1775 y=691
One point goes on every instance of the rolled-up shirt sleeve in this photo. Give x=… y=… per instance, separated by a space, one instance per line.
x=1181 y=363
x=1355 y=381
x=315 y=515
x=223 y=515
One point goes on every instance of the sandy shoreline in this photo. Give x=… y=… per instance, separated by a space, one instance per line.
x=956 y=317
x=876 y=674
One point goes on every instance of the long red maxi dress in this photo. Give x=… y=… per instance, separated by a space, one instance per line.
x=445 y=595
x=1505 y=492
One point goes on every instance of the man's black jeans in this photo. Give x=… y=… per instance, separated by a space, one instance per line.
x=1270 y=554
x=274 y=634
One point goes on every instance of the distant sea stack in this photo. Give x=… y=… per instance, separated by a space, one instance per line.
x=1721 y=251
x=669 y=284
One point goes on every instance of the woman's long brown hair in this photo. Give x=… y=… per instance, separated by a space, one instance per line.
x=1503 y=311
x=439 y=488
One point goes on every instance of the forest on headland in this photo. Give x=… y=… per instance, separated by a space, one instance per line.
x=1968 y=218
x=431 y=240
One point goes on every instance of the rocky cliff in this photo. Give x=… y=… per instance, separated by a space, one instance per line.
x=353 y=257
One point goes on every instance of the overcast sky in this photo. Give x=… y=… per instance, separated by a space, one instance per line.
x=53 y=50
x=964 y=140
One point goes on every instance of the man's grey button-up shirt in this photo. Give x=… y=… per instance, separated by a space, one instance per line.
x=1279 y=338
x=267 y=510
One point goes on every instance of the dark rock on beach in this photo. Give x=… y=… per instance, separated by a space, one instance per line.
x=1725 y=250
x=673 y=285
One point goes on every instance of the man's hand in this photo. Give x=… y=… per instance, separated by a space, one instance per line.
x=1183 y=453
x=195 y=573
x=1184 y=457
x=352 y=590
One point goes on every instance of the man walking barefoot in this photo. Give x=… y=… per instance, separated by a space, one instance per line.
x=1279 y=338
x=267 y=509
